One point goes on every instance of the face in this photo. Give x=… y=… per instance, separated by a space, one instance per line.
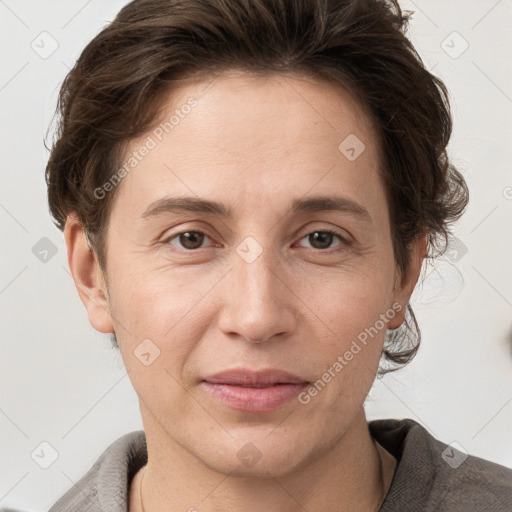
x=280 y=278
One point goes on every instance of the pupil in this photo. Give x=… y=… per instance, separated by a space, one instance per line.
x=324 y=238
x=192 y=242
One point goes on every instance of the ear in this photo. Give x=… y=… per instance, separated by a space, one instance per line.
x=87 y=274
x=404 y=289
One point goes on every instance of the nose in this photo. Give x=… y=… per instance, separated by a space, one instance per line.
x=258 y=304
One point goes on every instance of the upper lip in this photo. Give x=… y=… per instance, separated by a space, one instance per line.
x=250 y=378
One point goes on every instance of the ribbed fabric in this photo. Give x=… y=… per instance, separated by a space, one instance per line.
x=423 y=482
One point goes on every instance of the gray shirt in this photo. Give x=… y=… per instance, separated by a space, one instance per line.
x=430 y=475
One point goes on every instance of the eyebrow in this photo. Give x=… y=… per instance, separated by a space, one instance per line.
x=302 y=205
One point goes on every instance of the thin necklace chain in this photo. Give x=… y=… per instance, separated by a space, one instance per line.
x=381 y=477
x=140 y=489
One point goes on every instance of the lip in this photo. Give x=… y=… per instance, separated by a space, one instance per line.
x=254 y=391
x=254 y=379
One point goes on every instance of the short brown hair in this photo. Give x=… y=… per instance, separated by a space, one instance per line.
x=112 y=95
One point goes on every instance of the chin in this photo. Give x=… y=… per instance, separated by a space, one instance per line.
x=258 y=455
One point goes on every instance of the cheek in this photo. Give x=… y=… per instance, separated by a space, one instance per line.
x=347 y=357
x=350 y=300
x=170 y=307
x=156 y=298
x=349 y=329
x=159 y=319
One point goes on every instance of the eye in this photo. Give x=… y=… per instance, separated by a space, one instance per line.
x=322 y=239
x=192 y=240
x=189 y=240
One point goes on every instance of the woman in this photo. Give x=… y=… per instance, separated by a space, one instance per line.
x=248 y=191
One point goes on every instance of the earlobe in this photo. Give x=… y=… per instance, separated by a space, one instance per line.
x=404 y=289
x=87 y=274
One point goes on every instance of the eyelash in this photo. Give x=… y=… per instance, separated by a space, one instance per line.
x=344 y=241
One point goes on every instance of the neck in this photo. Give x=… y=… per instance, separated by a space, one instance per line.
x=353 y=475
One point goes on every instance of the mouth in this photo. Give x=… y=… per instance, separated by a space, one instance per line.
x=251 y=391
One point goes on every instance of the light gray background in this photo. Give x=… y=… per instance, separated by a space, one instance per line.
x=63 y=384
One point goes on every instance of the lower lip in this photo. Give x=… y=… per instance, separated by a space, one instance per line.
x=254 y=399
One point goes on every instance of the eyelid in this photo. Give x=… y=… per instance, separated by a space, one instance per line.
x=335 y=230
x=167 y=239
x=346 y=241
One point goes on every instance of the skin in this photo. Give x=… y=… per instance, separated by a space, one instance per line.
x=254 y=144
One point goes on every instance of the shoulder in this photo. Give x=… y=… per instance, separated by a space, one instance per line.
x=105 y=486
x=433 y=475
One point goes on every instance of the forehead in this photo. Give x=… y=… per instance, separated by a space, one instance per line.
x=291 y=105
x=238 y=133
